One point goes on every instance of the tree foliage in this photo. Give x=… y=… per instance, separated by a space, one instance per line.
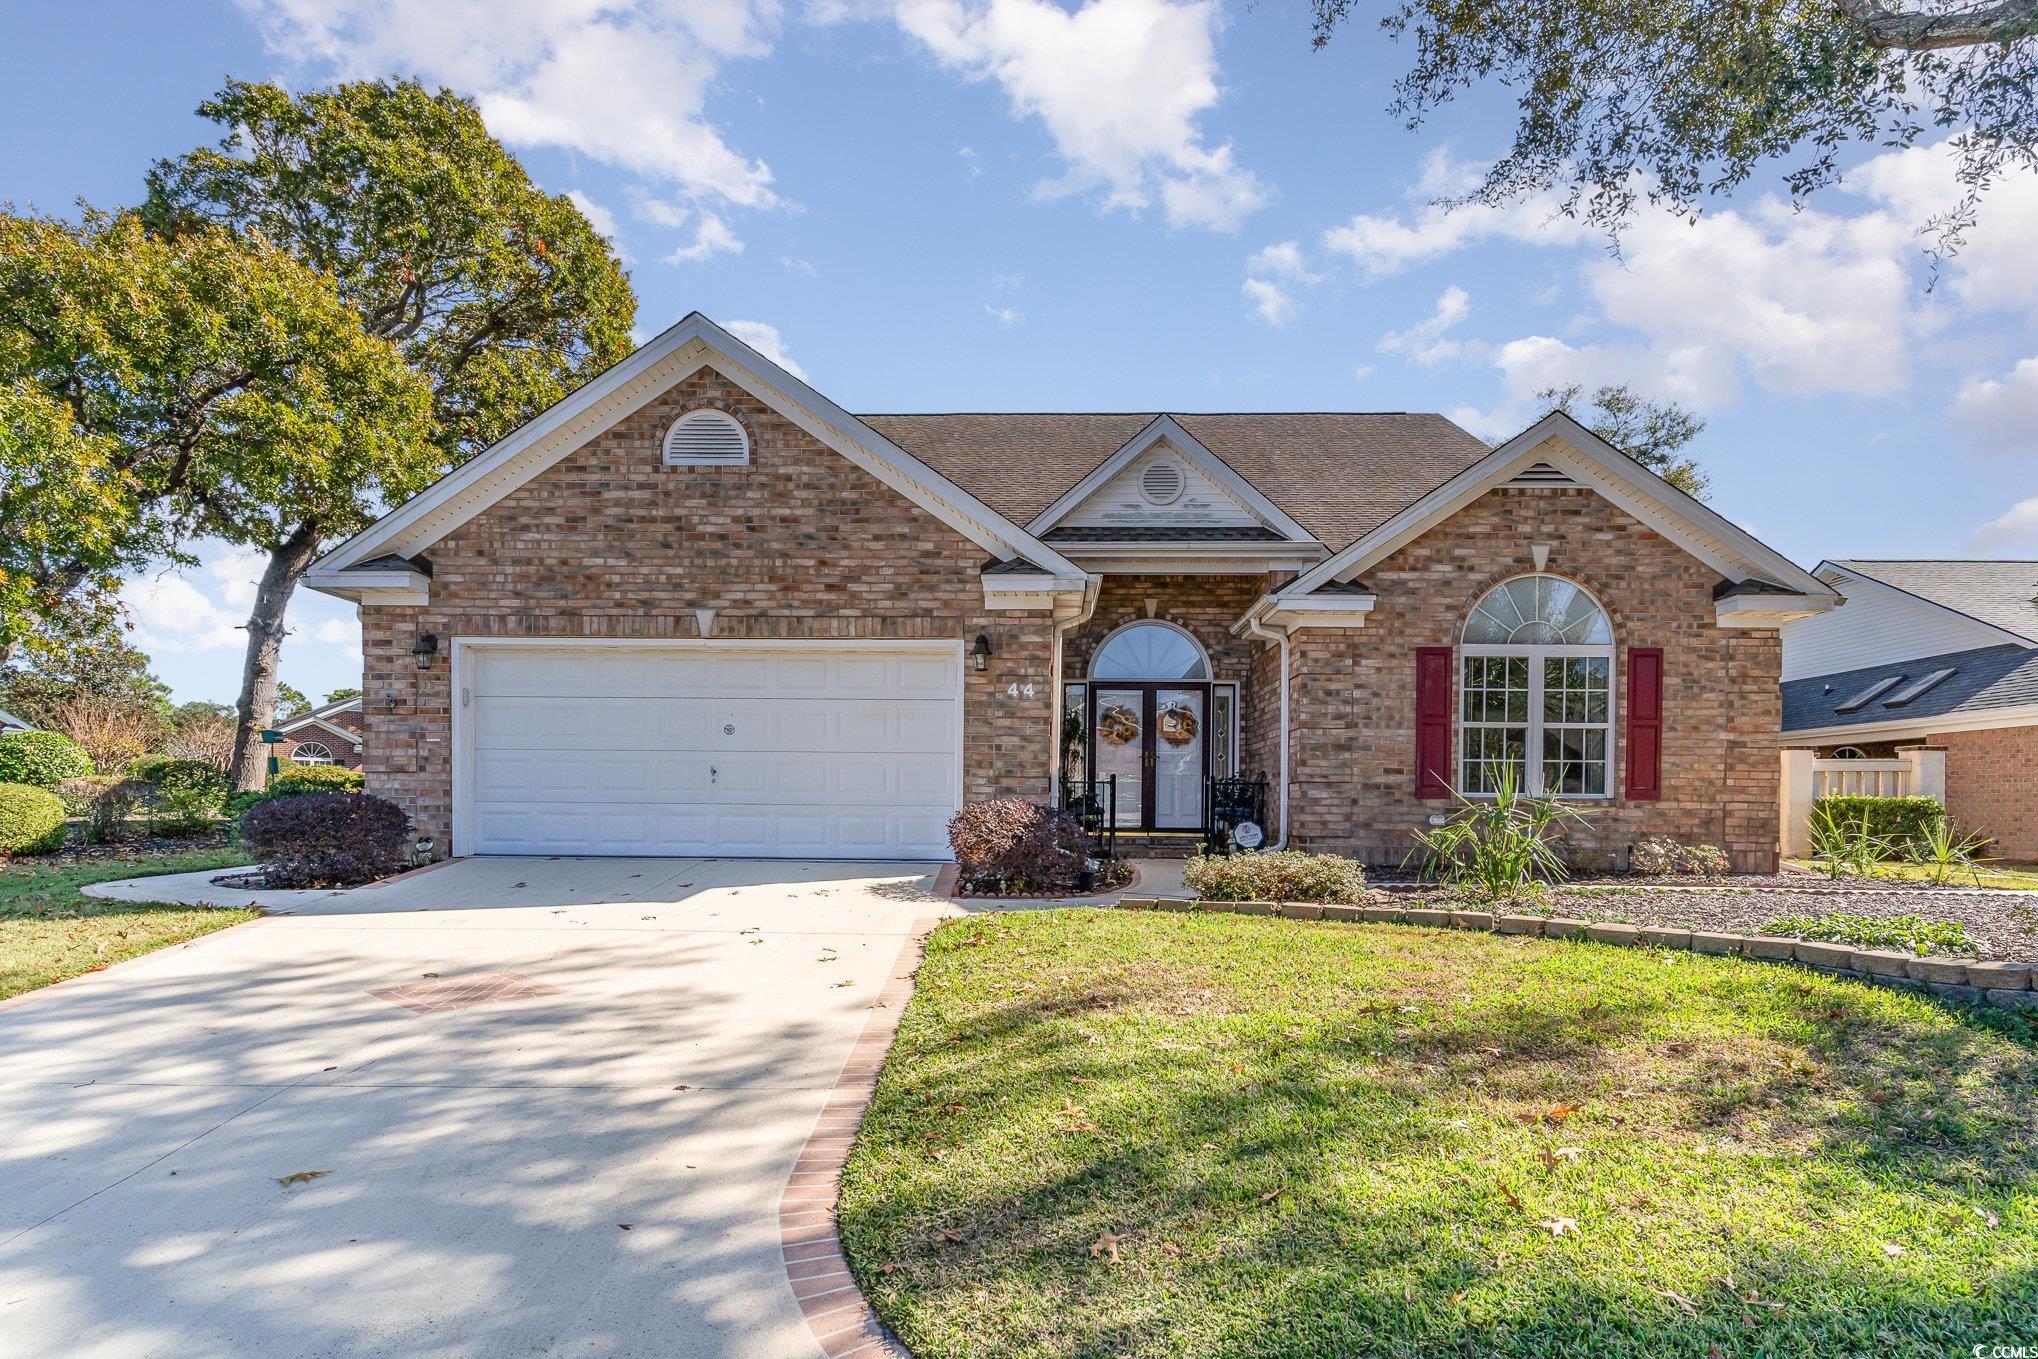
x=1675 y=100
x=502 y=295
x=1651 y=432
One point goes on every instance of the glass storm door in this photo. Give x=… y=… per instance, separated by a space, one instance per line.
x=1120 y=724
x=1180 y=733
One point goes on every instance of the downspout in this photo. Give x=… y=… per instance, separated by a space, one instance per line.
x=1092 y=589
x=1253 y=629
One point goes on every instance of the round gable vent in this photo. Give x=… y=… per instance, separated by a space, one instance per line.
x=1162 y=483
x=706 y=438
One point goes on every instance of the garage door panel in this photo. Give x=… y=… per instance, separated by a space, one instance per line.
x=688 y=751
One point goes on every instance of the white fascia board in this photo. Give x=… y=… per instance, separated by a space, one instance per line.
x=671 y=357
x=1028 y=591
x=352 y=738
x=1682 y=519
x=372 y=587
x=1855 y=579
x=1195 y=559
x=1339 y=611
x=1166 y=427
x=1769 y=611
x=1988 y=719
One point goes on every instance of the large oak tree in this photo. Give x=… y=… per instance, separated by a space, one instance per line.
x=500 y=296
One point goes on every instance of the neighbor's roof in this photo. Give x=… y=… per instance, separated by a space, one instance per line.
x=1337 y=475
x=9 y=722
x=1984 y=679
x=2003 y=594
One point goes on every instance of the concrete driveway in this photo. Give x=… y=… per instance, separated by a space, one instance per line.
x=592 y=1169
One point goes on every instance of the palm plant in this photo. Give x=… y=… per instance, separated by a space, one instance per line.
x=1942 y=854
x=1499 y=848
x=1843 y=846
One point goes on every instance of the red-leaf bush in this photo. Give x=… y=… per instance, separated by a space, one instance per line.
x=1009 y=845
x=327 y=839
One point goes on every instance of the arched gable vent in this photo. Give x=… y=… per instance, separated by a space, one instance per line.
x=706 y=438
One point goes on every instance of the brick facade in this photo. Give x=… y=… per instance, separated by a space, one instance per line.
x=1992 y=787
x=609 y=543
x=801 y=544
x=343 y=752
x=1352 y=691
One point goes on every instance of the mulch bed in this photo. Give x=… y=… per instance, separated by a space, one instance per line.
x=137 y=845
x=2004 y=924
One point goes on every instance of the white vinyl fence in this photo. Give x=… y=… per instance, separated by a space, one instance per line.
x=1806 y=779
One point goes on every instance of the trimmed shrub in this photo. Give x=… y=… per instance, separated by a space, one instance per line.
x=1659 y=856
x=1010 y=845
x=327 y=839
x=189 y=796
x=42 y=759
x=315 y=778
x=1899 y=824
x=1275 y=875
x=31 y=820
x=148 y=767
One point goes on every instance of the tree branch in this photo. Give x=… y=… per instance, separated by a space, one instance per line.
x=2005 y=21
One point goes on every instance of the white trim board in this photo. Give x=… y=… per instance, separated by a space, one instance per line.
x=674 y=355
x=352 y=738
x=1166 y=429
x=1988 y=719
x=460 y=755
x=1563 y=442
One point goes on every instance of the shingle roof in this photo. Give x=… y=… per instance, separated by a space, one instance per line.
x=2000 y=593
x=1338 y=475
x=1983 y=679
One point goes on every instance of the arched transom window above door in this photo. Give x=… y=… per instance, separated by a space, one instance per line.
x=1535 y=706
x=1150 y=651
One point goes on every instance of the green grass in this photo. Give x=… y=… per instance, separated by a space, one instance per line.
x=49 y=930
x=1316 y=1140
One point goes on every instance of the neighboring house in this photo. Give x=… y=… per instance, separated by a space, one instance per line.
x=699 y=608
x=332 y=734
x=1941 y=654
x=9 y=722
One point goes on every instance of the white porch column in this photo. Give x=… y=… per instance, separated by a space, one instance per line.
x=1794 y=803
x=1927 y=777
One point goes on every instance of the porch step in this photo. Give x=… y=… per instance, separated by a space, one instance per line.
x=1159 y=844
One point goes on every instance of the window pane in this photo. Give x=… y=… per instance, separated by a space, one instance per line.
x=1150 y=651
x=1538 y=611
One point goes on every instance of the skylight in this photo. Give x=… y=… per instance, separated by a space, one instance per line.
x=1906 y=694
x=1869 y=694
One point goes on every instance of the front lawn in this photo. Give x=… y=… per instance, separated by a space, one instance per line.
x=1999 y=876
x=1113 y=1133
x=49 y=930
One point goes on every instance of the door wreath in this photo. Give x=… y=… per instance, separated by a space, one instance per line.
x=1118 y=724
x=1177 y=724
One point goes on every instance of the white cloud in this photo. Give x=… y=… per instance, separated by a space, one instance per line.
x=1005 y=316
x=1272 y=302
x=1425 y=341
x=972 y=163
x=766 y=340
x=625 y=82
x=598 y=217
x=711 y=237
x=170 y=613
x=342 y=633
x=793 y=265
x=2013 y=531
x=2000 y=415
x=1282 y=260
x=1118 y=84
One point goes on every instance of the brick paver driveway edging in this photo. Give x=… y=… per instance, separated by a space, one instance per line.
x=836 y=1312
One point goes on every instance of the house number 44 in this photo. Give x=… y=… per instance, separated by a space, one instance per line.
x=1016 y=690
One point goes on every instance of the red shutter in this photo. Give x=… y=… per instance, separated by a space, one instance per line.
x=1432 y=721
x=1645 y=723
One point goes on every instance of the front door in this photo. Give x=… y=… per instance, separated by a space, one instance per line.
x=1155 y=738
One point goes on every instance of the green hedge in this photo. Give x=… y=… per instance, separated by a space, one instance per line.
x=316 y=778
x=1900 y=822
x=42 y=759
x=1275 y=875
x=31 y=820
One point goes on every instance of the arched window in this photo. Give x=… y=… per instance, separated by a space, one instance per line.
x=1536 y=697
x=311 y=752
x=1150 y=651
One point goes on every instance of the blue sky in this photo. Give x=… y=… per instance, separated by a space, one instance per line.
x=1128 y=204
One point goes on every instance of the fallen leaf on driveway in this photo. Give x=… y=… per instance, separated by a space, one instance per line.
x=839 y=985
x=1561 y=1226
x=302 y=1177
x=1105 y=1248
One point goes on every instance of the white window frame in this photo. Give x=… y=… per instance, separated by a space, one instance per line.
x=1532 y=756
x=297 y=753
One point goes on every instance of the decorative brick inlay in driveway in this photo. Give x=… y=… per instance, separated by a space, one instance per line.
x=836 y=1313
x=464 y=993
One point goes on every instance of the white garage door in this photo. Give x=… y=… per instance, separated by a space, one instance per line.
x=819 y=752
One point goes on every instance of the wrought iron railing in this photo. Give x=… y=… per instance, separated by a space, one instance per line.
x=1229 y=803
x=1094 y=803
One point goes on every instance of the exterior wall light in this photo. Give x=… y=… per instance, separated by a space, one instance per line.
x=980 y=654
x=426 y=647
